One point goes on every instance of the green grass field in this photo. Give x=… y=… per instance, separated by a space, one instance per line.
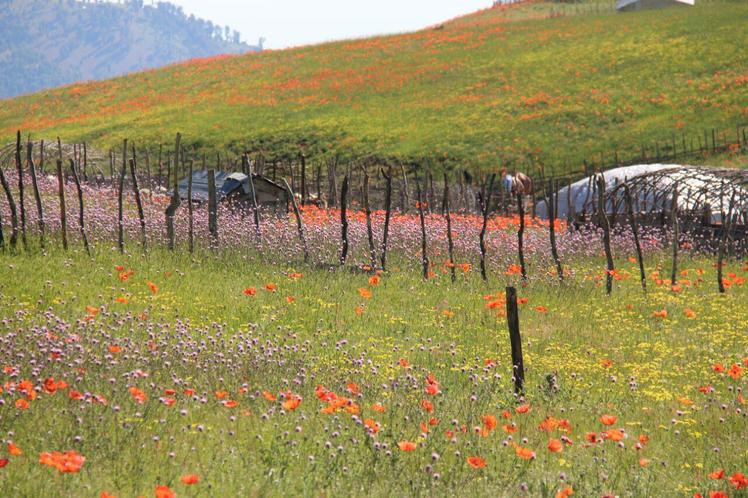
x=503 y=85
x=132 y=351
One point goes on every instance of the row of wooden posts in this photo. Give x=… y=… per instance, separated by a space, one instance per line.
x=484 y=197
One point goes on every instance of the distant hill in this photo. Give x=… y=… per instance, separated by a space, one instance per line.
x=538 y=82
x=48 y=43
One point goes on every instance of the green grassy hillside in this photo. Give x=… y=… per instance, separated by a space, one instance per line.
x=505 y=84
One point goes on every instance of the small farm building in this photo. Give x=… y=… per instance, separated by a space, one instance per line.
x=630 y=5
x=235 y=187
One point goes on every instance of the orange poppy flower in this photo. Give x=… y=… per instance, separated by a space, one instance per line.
x=290 y=299
x=717 y=474
x=270 y=287
x=541 y=309
x=407 y=446
x=365 y=293
x=524 y=453
x=476 y=462
x=735 y=371
x=378 y=407
x=371 y=425
x=3 y=462
x=660 y=314
x=522 y=409
x=490 y=422
x=359 y=310
x=250 y=291
x=689 y=313
x=509 y=428
x=14 y=450
x=296 y=275
x=565 y=493
x=22 y=404
x=555 y=446
x=608 y=419
x=114 y=349
x=353 y=388
x=427 y=405
x=164 y=492
x=403 y=363
x=613 y=434
x=153 y=287
x=230 y=403
x=373 y=280
x=190 y=479
x=68 y=462
x=269 y=396
x=292 y=403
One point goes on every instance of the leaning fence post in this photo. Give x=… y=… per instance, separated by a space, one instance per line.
x=13 y=213
x=176 y=201
x=37 y=195
x=486 y=207
x=551 y=204
x=387 y=215
x=63 y=215
x=344 y=220
x=212 y=209
x=120 y=212
x=190 y=213
x=138 y=201
x=603 y=221
x=369 y=231
x=726 y=225
x=450 y=242
x=676 y=235
x=21 y=202
x=299 y=221
x=512 y=315
x=253 y=195
x=635 y=231
x=81 y=219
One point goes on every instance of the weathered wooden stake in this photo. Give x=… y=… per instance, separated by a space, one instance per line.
x=521 y=237
x=37 y=195
x=404 y=194
x=190 y=213
x=450 y=242
x=304 y=197
x=387 y=214
x=512 y=316
x=253 y=195
x=676 y=236
x=635 y=231
x=176 y=201
x=138 y=201
x=344 y=220
x=369 y=230
x=81 y=218
x=120 y=207
x=13 y=212
x=63 y=214
x=603 y=221
x=726 y=226
x=212 y=209
x=21 y=201
x=299 y=221
x=424 y=242
x=486 y=208
x=552 y=206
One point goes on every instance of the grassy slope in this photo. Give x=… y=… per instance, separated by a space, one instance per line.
x=499 y=84
x=667 y=359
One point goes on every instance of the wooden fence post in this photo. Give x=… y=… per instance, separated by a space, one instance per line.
x=603 y=221
x=21 y=202
x=120 y=211
x=138 y=201
x=424 y=242
x=304 y=197
x=212 y=209
x=176 y=201
x=726 y=226
x=299 y=221
x=13 y=212
x=190 y=213
x=387 y=215
x=253 y=195
x=518 y=364
x=37 y=195
x=63 y=214
x=450 y=242
x=81 y=218
x=551 y=205
x=486 y=208
x=635 y=231
x=344 y=220
x=521 y=237
x=369 y=230
x=676 y=235
x=404 y=194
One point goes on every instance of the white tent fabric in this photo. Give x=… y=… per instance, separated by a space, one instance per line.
x=626 y=5
x=687 y=178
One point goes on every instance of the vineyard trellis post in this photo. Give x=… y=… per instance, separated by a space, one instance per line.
x=521 y=237
x=138 y=200
x=13 y=212
x=63 y=214
x=120 y=207
x=424 y=241
x=485 y=201
x=21 y=201
x=387 y=215
x=191 y=212
x=37 y=195
x=253 y=195
x=550 y=201
x=344 y=220
x=635 y=232
x=448 y=216
x=726 y=226
x=603 y=222
x=212 y=209
x=676 y=236
x=299 y=220
x=367 y=212
x=171 y=210
x=81 y=217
